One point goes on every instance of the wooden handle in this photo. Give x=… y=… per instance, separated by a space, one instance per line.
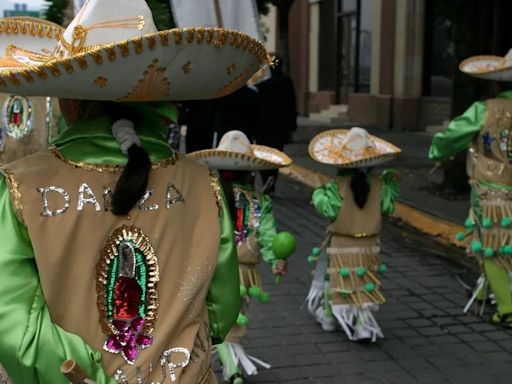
x=74 y=373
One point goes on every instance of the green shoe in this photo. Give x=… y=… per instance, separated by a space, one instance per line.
x=504 y=320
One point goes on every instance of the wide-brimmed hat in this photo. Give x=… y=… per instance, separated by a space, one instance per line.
x=352 y=148
x=489 y=67
x=112 y=50
x=235 y=152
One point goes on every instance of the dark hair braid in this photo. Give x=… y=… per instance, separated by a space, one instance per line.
x=360 y=188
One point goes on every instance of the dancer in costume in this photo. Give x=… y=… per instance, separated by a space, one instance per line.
x=485 y=130
x=346 y=283
x=115 y=251
x=255 y=231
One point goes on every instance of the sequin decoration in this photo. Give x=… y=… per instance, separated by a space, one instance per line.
x=126 y=283
x=145 y=198
x=86 y=196
x=17 y=116
x=248 y=212
x=169 y=361
x=214 y=182
x=487 y=141
x=173 y=196
x=45 y=191
x=107 y=199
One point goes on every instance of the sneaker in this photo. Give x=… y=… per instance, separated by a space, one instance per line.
x=328 y=323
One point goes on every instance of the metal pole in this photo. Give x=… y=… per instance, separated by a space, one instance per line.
x=218 y=14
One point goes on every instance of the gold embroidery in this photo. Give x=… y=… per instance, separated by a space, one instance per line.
x=234 y=84
x=107 y=168
x=14 y=192
x=187 y=67
x=214 y=182
x=154 y=85
x=101 y=82
x=231 y=68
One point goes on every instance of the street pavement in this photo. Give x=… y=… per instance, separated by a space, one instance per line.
x=427 y=337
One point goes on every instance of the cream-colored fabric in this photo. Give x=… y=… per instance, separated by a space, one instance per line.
x=355 y=244
x=67 y=248
x=352 y=220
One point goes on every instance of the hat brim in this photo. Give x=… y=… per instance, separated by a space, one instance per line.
x=264 y=158
x=326 y=148
x=487 y=67
x=176 y=64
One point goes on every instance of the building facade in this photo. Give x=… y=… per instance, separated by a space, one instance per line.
x=393 y=63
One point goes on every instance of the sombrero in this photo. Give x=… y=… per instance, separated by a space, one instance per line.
x=352 y=148
x=235 y=152
x=489 y=67
x=113 y=51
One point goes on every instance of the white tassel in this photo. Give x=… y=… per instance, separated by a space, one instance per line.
x=124 y=132
x=358 y=323
x=315 y=296
x=244 y=361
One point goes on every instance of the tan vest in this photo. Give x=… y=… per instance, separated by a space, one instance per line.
x=179 y=217
x=490 y=155
x=353 y=221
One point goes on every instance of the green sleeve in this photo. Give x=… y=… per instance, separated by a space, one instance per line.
x=223 y=299
x=32 y=348
x=267 y=231
x=327 y=200
x=459 y=134
x=389 y=190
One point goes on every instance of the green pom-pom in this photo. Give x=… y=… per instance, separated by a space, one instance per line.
x=505 y=222
x=344 y=272
x=254 y=291
x=460 y=236
x=242 y=319
x=264 y=296
x=283 y=245
x=488 y=252
x=315 y=251
x=383 y=268
x=369 y=286
x=487 y=223
x=507 y=249
x=360 y=271
x=311 y=259
x=501 y=250
x=243 y=290
x=469 y=223
x=476 y=246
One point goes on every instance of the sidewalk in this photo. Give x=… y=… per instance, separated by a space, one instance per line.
x=418 y=186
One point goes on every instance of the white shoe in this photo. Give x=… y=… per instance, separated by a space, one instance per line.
x=361 y=334
x=328 y=323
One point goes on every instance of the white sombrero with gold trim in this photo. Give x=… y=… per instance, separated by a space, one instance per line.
x=489 y=67
x=236 y=153
x=113 y=51
x=352 y=148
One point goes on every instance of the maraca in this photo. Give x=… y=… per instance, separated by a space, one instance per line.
x=283 y=246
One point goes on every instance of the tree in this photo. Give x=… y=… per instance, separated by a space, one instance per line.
x=55 y=10
x=161 y=10
x=283 y=8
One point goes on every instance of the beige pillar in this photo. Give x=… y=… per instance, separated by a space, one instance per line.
x=376 y=47
x=314 y=40
x=409 y=33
